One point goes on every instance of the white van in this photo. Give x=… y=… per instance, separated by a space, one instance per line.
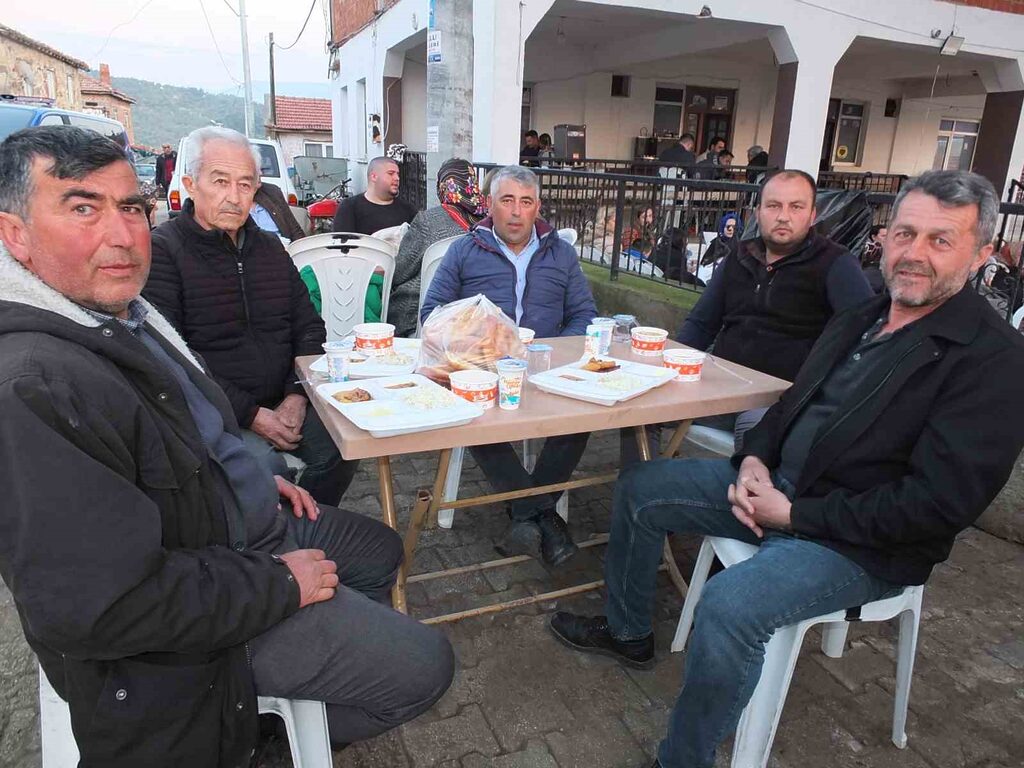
x=273 y=170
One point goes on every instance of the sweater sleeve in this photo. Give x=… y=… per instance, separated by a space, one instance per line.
x=410 y=252
x=846 y=284
x=704 y=321
x=107 y=587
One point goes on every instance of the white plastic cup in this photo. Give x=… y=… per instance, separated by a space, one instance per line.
x=511 y=374
x=375 y=339
x=607 y=325
x=337 y=359
x=480 y=387
x=526 y=335
x=592 y=341
x=687 y=363
x=648 y=342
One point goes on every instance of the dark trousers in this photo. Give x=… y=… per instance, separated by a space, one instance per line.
x=374 y=667
x=505 y=472
x=326 y=475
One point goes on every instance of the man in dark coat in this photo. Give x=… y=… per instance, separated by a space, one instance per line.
x=234 y=294
x=899 y=430
x=269 y=199
x=681 y=153
x=156 y=575
x=165 y=163
x=518 y=262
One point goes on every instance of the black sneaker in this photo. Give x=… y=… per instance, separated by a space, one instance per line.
x=556 y=545
x=591 y=635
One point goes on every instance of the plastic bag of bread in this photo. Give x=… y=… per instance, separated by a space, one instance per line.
x=468 y=333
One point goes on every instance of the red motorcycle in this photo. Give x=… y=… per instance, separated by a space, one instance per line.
x=321 y=213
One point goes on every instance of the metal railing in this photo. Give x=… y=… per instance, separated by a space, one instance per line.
x=412 y=185
x=870 y=182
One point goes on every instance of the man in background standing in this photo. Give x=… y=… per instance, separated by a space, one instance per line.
x=165 y=163
x=379 y=207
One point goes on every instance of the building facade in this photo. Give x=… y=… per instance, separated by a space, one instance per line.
x=302 y=126
x=31 y=68
x=101 y=98
x=827 y=85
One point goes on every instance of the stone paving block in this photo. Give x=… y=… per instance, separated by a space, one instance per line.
x=595 y=742
x=648 y=725
x=429 y=743
x=859 y=665
x=536 y=755
x=385 y=751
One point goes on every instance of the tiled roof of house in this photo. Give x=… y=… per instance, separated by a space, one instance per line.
x=25 y=40
x=299 y=114
x=92 y=85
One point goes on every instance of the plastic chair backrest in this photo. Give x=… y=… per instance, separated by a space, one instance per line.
x=431 y=261
x=569 y=235
x=343 y=275
x=1018 y=316
x=339 y=238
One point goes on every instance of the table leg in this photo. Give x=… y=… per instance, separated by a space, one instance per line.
x=677 y=439
x=387 y=505
x=427 y=503
x=645 y=455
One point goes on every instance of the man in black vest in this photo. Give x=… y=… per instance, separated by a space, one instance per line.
x=766 y=305
x=901 y=427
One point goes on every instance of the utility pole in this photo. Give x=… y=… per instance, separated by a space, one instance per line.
x=449 y=86
x=273 y=89
x=246 y=74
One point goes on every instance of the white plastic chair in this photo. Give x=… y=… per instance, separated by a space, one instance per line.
x=343 y=275
x=428 y=267
x=760 y=719
x=304 y=721
x=569 y=235
x=1018 y=316
x=339 y=238
x=715 y=440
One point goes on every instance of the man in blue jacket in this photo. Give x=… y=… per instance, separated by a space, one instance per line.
x=518 y=262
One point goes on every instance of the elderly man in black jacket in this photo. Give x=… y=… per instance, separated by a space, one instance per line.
x=235 y=296
x=156 y=575
x=900 y=428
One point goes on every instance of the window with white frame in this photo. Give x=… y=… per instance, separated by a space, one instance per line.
x=343 y=121
x=360 y=107
x=51 y=84
x=954 y=149
x=317 y=149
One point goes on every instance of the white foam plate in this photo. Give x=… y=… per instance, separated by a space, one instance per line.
x=372 y=368
x=395 y=411
x=629 y=381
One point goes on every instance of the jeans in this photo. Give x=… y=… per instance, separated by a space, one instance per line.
x=788 y=580
x=326 y=475
x=374 y=667
x=504 y=471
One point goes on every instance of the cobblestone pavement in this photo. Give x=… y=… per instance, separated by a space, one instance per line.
x=520 y=700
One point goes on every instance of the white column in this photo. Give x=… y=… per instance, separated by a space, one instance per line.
x=816 y=51
x=500 y=29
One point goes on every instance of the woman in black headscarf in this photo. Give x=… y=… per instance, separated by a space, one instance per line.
x=462 y=206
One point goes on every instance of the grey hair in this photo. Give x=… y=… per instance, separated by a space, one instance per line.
x=954 y=189
x=754 y=151
x=518 y=174
x=195 y=145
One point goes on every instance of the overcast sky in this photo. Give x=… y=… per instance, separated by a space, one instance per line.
x=167 y=41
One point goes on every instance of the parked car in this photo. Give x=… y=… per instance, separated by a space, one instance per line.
x=273 y=170
x=17 y=112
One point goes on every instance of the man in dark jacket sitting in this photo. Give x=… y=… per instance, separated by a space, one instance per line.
x=232 y=292
x=518 y=261
x=899 y=430
x=156 y=575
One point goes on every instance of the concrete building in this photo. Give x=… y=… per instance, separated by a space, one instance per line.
x=101 y=98
x=302 y=126
x=379 y=71
x=840 y=85
x=31 y=68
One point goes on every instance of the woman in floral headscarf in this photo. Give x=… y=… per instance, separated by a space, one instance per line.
x=462 y=206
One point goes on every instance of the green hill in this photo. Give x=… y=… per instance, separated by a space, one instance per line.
x=168 y=112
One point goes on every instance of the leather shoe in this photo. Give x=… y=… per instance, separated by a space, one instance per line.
x=520 y=538
x=556 y=545
x=592 y=635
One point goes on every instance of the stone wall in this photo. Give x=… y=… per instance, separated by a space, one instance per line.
x=108 y=105
x=24 y=71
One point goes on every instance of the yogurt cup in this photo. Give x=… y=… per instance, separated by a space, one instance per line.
x=687 y=363
x=337 y=359
x=480 y=387
x=607 y=325
x=511 y=373
x=592 y=340
x=375 y=338
x=648 y=342
x=526 y=335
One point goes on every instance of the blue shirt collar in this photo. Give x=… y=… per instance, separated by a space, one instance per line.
x=137 y=314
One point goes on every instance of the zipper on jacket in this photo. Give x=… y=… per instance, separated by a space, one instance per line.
x=245 y=298
x=870 y=394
